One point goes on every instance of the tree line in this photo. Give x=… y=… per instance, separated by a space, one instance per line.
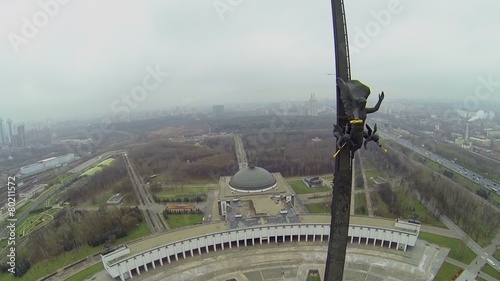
x=477 y=217
x=71 y=229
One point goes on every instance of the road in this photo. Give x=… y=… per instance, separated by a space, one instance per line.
x=240 y=152
x=480 y=180
x=146 y=202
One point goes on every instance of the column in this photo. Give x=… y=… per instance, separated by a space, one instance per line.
x=152 y=260
x=128 y=268
x=352 y=238
x=168 y=258
x=137 y=267
x=161 y=259
x=144 y=261
x=245 y=237
x=314 y=233
x=176 y=256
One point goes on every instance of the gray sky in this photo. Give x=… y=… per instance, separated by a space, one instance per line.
x=75 y=58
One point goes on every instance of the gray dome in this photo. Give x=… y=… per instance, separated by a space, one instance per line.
x=252 y=179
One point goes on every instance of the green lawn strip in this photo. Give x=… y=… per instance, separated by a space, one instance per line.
x=139 y=231
x=360 y=204
x=458 y=249
x=488 y=269
x=24 y=207
x=496 y=255
x=416 y=208
x=82 y=275
x=180 y=220
x=318 y=208
x=301 y=188
x=92 y=171
x=447 y=272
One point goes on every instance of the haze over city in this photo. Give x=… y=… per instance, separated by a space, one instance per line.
x=84 y=56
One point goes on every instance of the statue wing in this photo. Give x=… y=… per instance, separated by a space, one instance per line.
x=345 y=96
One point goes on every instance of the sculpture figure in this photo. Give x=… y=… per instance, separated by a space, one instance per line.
x=354 y=95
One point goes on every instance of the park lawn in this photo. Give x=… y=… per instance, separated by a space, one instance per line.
x=180 y=220
x=497 y=255
x=82 y=275
x=49 y=266
x=360 y=204
x=60 y=178
x=447 y=272
x=24 y=207
x=139 y=231
x=301 y=188
x=92 y=171
x=34 y=221
x=322 y=208
x=458 y=249
x=488 y=269
x=426 y=217
x=179 y=191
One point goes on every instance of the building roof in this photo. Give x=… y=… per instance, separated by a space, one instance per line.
x=252 y=178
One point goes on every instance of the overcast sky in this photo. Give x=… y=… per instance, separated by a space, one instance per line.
x=75 y=58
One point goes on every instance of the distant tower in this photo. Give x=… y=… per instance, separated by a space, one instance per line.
x=313 y=105
x=11 y=135
x=2 y=134
x=467 y=133
x=21 y=135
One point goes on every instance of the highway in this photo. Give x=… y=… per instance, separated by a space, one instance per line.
x=482 y=181
x=146 y=203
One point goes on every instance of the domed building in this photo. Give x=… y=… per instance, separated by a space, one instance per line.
x=252 y=179
x=254 y=192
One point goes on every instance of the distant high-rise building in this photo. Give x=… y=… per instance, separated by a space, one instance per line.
x=9 y=127
x=218 y=110
x=313 y=105
x=21 y=135
x=2 y=132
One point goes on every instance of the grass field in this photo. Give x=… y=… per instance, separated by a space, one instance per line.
x=360 y=204
x=497 y=255
x=99 y=167
x=301 y=188
x=176 y=221
x=82 y=275
x=458 y=249
x=24 y=207
x=322 y=208
x=446 y=272
x=488 y=269
x=35 y=221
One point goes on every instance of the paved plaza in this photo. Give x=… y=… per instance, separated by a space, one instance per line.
x=292 y=262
